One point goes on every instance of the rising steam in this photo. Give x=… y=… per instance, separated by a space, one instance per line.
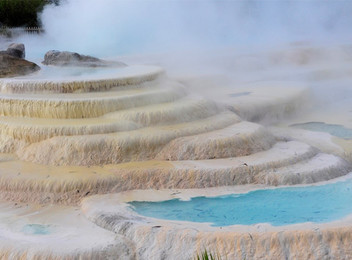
x=115 y=27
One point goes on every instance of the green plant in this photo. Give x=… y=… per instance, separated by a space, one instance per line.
x=205 y=255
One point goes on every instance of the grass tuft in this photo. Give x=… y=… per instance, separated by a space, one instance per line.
x=205 y=255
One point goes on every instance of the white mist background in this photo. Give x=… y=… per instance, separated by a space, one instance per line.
x=192 y=36
x=226 y=42
x=118 y=27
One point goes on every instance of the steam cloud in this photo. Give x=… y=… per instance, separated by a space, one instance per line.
x=115 y=27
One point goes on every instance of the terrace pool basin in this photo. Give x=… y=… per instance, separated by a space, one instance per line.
x=336 y=130
x=36 y=229
x=280 y=206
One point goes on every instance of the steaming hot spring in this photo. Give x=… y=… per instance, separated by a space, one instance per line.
x=136 y=163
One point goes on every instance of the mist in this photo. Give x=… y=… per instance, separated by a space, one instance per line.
x=230 y=39
x=111 y=27
x=119 y=27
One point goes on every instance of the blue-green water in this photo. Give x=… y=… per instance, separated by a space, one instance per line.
x=278 y=207
x=35 y=229
x=240 y=94
x=336 y=130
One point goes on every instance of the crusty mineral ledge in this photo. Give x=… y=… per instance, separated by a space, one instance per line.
x=56 y=232
x=127 y=76
x=161 y=239
x=134 y=114
x=264 y=102
x=299 y=163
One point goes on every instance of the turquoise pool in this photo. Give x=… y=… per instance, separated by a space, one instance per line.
x=36 y=229
x=336 y=130
x=278 y=207
x=240 y=94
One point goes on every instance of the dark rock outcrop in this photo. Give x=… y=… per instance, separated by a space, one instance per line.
x=66 y=58
x=17 y=50
x=11 y=66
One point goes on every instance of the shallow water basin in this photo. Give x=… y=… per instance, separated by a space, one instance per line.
x=281 y=206
x=336 y=130
x=36 y=229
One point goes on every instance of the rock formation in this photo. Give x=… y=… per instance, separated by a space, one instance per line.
x=66 y=58
x=12 y=62
x=16 y=50
x=11 y=66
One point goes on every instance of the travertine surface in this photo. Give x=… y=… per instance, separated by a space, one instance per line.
x=56 y=232
x=162 y=239
x=64 y=140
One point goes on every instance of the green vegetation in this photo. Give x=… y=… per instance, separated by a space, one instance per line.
x=17 y=13
x=207 y=256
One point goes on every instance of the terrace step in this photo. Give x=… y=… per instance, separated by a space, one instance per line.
x=182 y=110
x=85 y=105
x=321 y=167
x=33 y=130
x=89 y=81
x=25 y=181
x=211 y=173
x=141 y=144
x=240 y=139
x=263 y=102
